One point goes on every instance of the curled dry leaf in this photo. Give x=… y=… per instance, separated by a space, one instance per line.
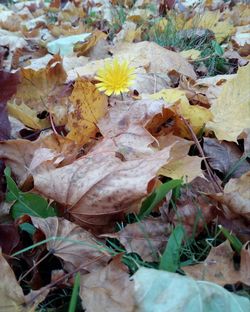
x=98 y=188
x=108 y=289
x=236 y=197
x=76 y=246
x=219 y=266
x=223 y=156
x=39 y=90
x=148 y=238
x=181 y=165
x=24 y=156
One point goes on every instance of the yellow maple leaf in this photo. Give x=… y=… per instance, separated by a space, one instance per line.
x=211 y=20
x=231 y=110
x=89 y=105
x=191 y=54
x=27 y=116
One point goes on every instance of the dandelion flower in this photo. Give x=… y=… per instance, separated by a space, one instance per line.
x=115 y=77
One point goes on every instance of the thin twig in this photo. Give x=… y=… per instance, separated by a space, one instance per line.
x=217 y=187
x=34 y=266
x=52 y=124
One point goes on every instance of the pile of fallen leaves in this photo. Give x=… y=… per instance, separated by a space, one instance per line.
x=137 y=201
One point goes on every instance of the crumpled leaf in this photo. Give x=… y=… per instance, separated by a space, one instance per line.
x=219 y=267
x=224 y=156
x=83 y=48
x=76 y=246
x=99 y=188
x=178 y=103
x=108 y=289
x=40 y=89
x=236 y=197
x=89 y=105
x=231 y=110
x=24 y=156
x=161 y=290
x=148 y=237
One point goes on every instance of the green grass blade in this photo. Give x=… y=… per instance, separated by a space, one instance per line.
x=170 y=260
x=74 y=296
x=156 y=197
x=236 y=243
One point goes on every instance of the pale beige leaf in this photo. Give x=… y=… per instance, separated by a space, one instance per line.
x=219 y=267
x=76 y=246
x=99 y=188
x=23 y=156
x=11 y=293
x=108 y=289
x=236 y=197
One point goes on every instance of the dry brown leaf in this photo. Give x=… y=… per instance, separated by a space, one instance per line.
x=89 y=105
x=12 y=298
x=147 y=238
x=223 y=156
x=99 y=188
x=84 y=48
x=194 y=207
x=39 y=88
x=23 y=156
x=236 y=197
x=76 y=246
x=154 y=58
x=108 y=289
x=219 y=266
x=149 y=55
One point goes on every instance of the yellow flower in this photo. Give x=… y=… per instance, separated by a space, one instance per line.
x=115 y=77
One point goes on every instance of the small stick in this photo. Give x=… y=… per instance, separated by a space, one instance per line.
x=52 y=124
x=217 y=187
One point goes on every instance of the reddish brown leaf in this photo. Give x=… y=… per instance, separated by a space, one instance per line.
x=223 y=156
x=148 y=238
x=9 y=237
x=194 y=207
x=8 y=87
